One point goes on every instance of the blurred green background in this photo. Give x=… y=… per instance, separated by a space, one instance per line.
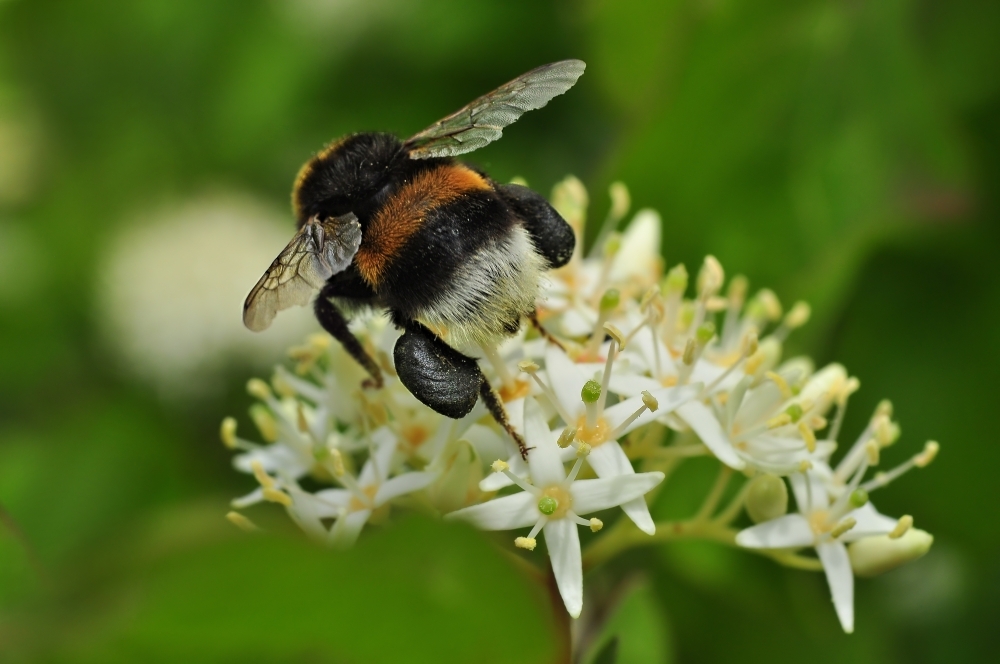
x=843 y=152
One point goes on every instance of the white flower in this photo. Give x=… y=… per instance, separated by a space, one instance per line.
x=352 y=505
x=766 y=425
x=552 y=503
x=171 y=287
x=825 y=525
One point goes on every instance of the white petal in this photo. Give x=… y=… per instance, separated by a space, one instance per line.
x=809 y=489
x=631 y=386
x=330 y=501
x=563 y=543
x=252 y=498
x=639 y=253
x=376 y=469
x=869 y=523
x=595 y=495
x=544 y=454
x=668 y=398
x=839 y=576
x=515 y=511
x=566 y=380
x=576 y=323
x=707 y=426
x=785 y=532
x=402 y=484
x=345 y=531
x=609 y=460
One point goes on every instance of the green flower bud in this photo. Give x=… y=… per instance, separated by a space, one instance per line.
x=767 y=498
x=794 y=411
x=858 y=497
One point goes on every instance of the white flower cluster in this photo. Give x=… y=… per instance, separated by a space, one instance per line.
x=636 y=377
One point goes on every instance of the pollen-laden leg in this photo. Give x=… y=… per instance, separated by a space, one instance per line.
x=445 y=380
x=334 y=322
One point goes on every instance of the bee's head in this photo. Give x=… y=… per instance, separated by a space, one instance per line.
x=344 y=175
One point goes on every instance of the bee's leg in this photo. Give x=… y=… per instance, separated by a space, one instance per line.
x=334 y=322
x=545 y=334
x=553 y=237
x=445 y=380
x=495 y=405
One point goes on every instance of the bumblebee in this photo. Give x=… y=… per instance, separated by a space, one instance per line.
x=403 y=226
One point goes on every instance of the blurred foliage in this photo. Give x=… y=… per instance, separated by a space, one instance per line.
x=845 y=152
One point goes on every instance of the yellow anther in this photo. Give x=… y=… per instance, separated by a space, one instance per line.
x=319 y=341
x=689 y=349
x=527 y=366
x=301 y=418
x=648 y=298
x=596 y=524
x=884 y=408
x=500 y=466
x=567 y=436
x=737 y=292
x=650 y=401
x=282 y=386
x=799 y=315
x=620 y=200
x=615 y=334
x=277 y=496
x=261 y=475
x=817 y=422
x=528 y=543
x=754 y=362
x=264 y=421
x=228 y=432
x=930 y=451
x=779 y=421
x=770 y=304
x=872 y=452
x=777 y=379
x=808 y=436
x=805 y=465
x=711 y=276
x=750 y=343
x=242 y=522
x=886 y=432
x=582 y=450
x=337 y=460
x=612 y=245
x=902 y=526
x=569 y=197
x=259 y=389
x=843 y=527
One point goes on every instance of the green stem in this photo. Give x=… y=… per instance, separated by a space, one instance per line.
x=624 y=535
x=713 y=497
x=732 y=510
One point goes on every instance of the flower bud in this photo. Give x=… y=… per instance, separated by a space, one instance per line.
x=676 y=280
x=872 y=556
x=767 y=498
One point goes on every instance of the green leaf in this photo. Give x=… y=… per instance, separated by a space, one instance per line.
x=419 y=591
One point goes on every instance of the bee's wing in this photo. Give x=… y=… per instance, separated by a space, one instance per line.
x=318 y=251
x=482 y=121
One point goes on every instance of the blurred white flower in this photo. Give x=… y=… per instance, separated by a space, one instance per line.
x=20 y=154
x=172 y=285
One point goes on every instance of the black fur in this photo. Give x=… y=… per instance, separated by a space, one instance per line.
x=449 y=235
x=553 y=237
x=438 y=375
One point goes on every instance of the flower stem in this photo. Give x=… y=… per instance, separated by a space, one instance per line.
x=713 y=497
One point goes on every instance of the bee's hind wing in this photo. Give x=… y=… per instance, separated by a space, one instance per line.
x=319 y=250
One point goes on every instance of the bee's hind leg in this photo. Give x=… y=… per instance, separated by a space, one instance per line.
x=445 y=380
x=334 y=322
